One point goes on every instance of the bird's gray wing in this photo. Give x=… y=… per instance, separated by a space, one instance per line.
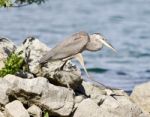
x=69 y=47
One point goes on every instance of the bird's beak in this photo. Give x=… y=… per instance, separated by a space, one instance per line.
x=108 y=45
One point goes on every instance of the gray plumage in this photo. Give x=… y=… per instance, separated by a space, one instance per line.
x=75 y=44
x=69 y=47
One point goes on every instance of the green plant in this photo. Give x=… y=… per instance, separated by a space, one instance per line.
x=18 y=3
x=13 y=64
x=46 y=114
x=5 y=3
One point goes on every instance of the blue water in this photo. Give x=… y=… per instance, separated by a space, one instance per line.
x=125 y=23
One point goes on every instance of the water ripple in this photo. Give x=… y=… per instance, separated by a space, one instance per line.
x=125 y=23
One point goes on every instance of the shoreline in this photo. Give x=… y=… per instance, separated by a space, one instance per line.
x=61 y=92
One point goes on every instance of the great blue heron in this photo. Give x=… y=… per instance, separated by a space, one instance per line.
x=73 y=46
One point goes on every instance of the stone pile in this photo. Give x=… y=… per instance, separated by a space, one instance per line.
x=61 y=92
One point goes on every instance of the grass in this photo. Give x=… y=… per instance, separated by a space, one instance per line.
x=13 y=64
x=46 y=114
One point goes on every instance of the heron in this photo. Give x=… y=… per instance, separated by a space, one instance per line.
x=73 y=46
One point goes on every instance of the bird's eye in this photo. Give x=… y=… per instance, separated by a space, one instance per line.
x=103 y=39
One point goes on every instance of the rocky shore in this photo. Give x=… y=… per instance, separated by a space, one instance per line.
x=52 y=91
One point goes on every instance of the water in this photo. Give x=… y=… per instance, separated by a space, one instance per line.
x=125 y=23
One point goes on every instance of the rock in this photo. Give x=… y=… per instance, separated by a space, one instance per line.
x=119 y=106
x=23 y=74
x=98 y=92
x=43 y=88
x=35 y=111
x=6 y=48
x=78 y=100
x=93 y=91
x=1 y=62
x=16 y=109
x=104 y=102
x=57 y=100
x=141 y=96
x=32 y=50
x=1 y=114
x=33 y=87
x=144 y=115
x=4 y=86
x=110 y=107
x=87 y=108
x=90 y=89
x=70 y=76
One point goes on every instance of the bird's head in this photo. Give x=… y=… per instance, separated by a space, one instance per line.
x=102 y=40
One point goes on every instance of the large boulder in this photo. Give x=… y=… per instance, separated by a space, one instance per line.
x=16 y=109
x=4 y=86
x=98 y=92
x=110 y=107
x=104 y=102
x=120 y=106
x=6 y=47
x=87 y=108
x=55 y=99
x=32 y=50
x=141 y=96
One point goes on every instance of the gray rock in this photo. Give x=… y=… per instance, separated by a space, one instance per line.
x=4 y=86
x=119 y=106
x=91 y=100
x=15 y=109
x=32 y=50
x=35 y=111
x=87 y=108
x=70 y=76
x=6 y=47
x=23 y=74
x=30 y=86
x=93 y=91
x=1 y=114
x=78 y=100
x=111 y=107
x=57 y=100
x=141 y=96
x=144 y=115
x=98 y=92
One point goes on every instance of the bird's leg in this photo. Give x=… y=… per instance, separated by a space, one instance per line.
x=62 y=67
x=79 y=57
x=65 y=61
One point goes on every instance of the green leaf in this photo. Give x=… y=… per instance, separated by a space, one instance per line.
x=46 y=114
x=9 y=3
x=5 y=3
x=13 y=64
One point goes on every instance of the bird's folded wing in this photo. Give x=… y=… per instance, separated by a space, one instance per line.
x=69 y=47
